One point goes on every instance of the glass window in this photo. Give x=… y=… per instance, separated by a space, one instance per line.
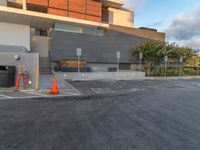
x=68 y=28
x=100 y=32
x=39 y=32
x=94 y=31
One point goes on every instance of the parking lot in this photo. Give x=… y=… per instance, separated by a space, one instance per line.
x=100 y=87
x=109 y=115
x=119 y=87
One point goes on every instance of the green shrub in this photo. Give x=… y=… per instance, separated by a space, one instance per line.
x=173 y=72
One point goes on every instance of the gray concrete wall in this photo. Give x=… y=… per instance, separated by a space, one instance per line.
x=40 y=44
x=122 y=75
x=9 y=49
x=15 y=35
x=28 y=60
x=100 y=66
x=96 y=49
x=103 y=67
x=3 y=2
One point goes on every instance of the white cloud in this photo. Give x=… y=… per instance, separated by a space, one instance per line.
x=195 y=43
x=185 y=28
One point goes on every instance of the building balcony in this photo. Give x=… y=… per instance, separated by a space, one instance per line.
x=112 y=3
x=17 y=15
x=79 y=9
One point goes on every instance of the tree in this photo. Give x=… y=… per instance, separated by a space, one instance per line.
x=194 y=61
x=152 y=51
x=181 y=51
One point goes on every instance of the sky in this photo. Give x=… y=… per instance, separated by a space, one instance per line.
x=179 y=19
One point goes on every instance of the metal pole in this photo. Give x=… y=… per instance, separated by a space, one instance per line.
x=165 y=59
x=181 y=61
x=37 y=78
x=141 y=57
x=78 y=64
x=118 y=65
x=197 y=66
x=118 y=59
x=165 y=69
x=78 y=53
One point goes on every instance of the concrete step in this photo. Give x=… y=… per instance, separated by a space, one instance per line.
x=45 y=65
x=45 y=71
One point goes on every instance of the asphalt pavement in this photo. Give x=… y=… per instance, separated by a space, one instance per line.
x=110 y=115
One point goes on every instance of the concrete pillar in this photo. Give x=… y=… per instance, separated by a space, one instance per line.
x=3 y=3
x=24 y=5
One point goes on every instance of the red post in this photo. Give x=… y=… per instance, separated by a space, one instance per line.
x=25 y=76
x=18 y=77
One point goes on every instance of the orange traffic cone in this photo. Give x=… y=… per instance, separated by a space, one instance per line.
x=54 y=89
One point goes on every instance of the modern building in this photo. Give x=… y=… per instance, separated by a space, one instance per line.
x=56 y=28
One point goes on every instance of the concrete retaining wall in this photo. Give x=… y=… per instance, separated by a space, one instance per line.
x=125 y=75
x=28 y=60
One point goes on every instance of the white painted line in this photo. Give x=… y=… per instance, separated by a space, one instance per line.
x=7 y=90
x=73 y=88
x=25 y=97
x=27 y=90
x=71 y=94
x=34 y=97
x=44 y=90
x=117 y=84
x=66 y=90
x=6 y=96
x=35 y=93
x=43 y=95
x=102 y=90
x=135 y=90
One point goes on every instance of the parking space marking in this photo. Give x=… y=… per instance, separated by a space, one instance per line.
x=35 y=93
x=118 y=84
x=66 y=92
x=102 y=90
x=135 y=90
x=72 y=93
x=73 y=88
x=5 y=96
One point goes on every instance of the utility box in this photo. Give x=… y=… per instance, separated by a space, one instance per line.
x=7 y=76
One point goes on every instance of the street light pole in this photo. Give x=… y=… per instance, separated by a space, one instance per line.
x=141 y=57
